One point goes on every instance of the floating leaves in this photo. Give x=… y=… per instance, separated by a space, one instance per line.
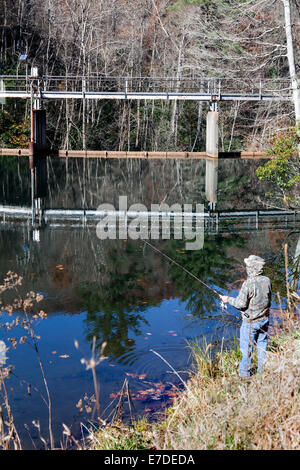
x=157 y=392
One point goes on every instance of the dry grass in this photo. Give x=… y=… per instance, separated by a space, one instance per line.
x=222 y=411
x=219 y=410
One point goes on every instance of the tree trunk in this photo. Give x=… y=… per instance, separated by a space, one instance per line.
x=291 y=58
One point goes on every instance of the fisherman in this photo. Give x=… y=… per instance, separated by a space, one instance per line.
x=253 y=301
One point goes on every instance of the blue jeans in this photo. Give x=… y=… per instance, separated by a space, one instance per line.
x=253 y=334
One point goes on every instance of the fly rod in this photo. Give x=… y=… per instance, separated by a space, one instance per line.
x=188 y=272
x=180 y=266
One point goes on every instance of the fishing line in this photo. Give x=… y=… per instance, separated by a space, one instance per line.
x=180 y=266
x=223 y=304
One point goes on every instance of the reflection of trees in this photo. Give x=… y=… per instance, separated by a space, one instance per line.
x=116 y=304
x=112 y=316
x=74 y=183
x=133 y=280
x=14 y=180
x=211 y=264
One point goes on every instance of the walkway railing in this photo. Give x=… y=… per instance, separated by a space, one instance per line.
x=170 y=88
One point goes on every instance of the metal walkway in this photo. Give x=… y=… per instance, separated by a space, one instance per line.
x=144 y=88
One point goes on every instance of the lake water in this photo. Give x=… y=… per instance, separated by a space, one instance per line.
x=122 y=292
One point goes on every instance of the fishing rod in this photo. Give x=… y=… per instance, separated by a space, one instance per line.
x=180 y=266
x=191 y=274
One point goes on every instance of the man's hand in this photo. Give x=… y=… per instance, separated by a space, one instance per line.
x=224 y=298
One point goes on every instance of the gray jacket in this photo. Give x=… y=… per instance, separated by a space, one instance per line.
x=254 y=298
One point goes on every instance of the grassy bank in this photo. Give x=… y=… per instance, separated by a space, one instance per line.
x=219 y=410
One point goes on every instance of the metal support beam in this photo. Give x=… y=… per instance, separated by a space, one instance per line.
x=93 y=95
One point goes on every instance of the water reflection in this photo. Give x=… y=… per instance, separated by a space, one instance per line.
x=77 y=183
x=134 y=279
x=211 y=181
x=124 y=294
x=116 y=282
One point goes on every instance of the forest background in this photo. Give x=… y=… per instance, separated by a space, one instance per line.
x=232 y=39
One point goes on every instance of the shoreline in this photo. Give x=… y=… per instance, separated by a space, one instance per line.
x=218 y=410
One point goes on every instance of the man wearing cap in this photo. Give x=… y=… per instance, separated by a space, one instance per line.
x=253 y=301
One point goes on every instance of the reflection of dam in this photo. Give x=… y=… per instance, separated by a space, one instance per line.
x=73 y=183
x=211 y=181
x=212 y=221
x=69 y=191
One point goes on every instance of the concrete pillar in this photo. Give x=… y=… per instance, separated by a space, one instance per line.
x=212 y=134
